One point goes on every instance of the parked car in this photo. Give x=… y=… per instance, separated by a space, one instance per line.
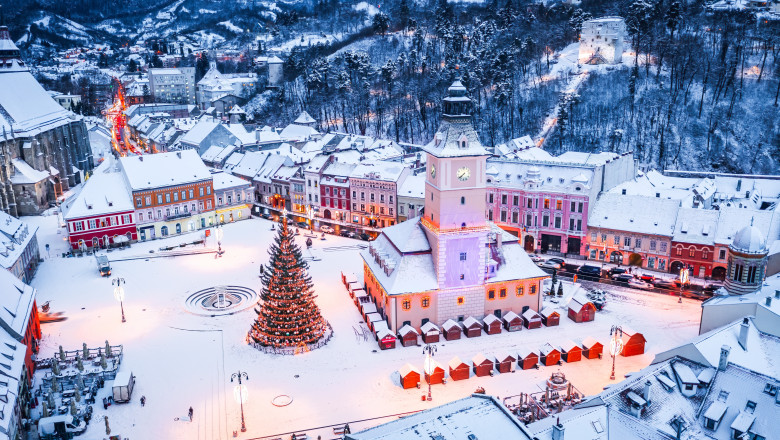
x=648 y=278
x=326 y=228
x=535 y=258
x=623 y=278
x=662 y=283
x=347 y=233
x=266 y=216
x=303 y=225
x=710 y=289
x=49 y=426
x=589 y=272
x=553 y=263
x=363 y=236
x=639 y=284
x=103 y=267
x=613 y=272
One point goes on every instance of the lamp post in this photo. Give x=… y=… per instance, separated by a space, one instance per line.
x=219 y=233
x=311 y=218
x=683 y=280
x=284 y=215
x=240 y=393
x=119 y=294
x=429 y=366
x=615 y=345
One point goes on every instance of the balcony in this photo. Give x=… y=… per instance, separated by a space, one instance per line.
x=178 y=216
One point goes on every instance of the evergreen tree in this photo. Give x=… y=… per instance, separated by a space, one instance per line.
x=560 y=289
x=108 y=350
x=85 y=350
x=380 y=23
x=288 y=315
x=553 y=281
x=62 y=354
x=403 y=14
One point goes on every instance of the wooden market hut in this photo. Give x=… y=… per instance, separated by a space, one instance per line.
x=386 y=339
x=550 y=317
x=380 y=326
x=591 y=348
x=408 y=335
x=581 y=309
x=506 y=362
x=633 y=342
x=367 y=308
x=436 y=375
x=472 y=328
x=430 y=333
x=353 y=287
x=452 y=330
x=549 y=355
x=361 y=297
x=512 y=322
x=492 y=324
x=410 y=376
x=526 y=358
x=483 y=366
x=371 y=318
x=459 y=370
x=570 y=351
x=347 y=278
x=531 y=319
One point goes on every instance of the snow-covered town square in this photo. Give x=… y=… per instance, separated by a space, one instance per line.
x=392 y=220
x=182 y=359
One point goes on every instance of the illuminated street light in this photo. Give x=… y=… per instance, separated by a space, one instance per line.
x=219 y=233
x=119 y=294
x=429 y=366
x=240 y=393
x=683 y=280
x=615 y=345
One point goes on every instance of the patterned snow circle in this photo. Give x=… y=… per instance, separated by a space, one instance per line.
x=281 y=400
x=221 y=300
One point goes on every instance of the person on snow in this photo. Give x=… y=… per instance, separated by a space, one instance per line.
x=143 y=400
x=190 y=413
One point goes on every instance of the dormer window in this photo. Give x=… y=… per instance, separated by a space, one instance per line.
x=463 y=142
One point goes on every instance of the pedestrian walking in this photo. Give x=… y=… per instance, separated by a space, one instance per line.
x=143 y=400
x=190 y=413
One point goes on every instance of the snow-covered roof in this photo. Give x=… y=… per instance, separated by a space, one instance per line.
x=546 y=349
x=545 y=176
x=696 y=226
x=646 y=215
x=470 y=322
x=407 y=329
x=531 y=314
x=479 y=359
x=749 y=240
x=408 y=236
x=450 y=324
x=733 y=219
x=25 y=174
x=589 y=342
x=164 y=169
x=297 y=133
x=490 y=319
x=198 y=133
x=510 y=316
x=223 y=181
x=413 y=186
x=524 y=352
x=304 y=118
x=408 y=368
x=516 y=264
x=16 y=304
x=412 y=272
x=104 y=193
x=15 y=236
x=379 y=170
x=429 y=328
x=449 y=137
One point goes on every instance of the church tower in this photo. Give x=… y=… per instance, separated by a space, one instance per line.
x=455 y=191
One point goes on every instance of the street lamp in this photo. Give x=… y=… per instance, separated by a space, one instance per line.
x=219 y=233
x=429 y=366
x=683 y=281
x=119 y=294
x=615 y=346
x=311 y=218
x=240 y=393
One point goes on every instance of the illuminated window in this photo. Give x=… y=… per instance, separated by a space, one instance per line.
x=519 y=290
x=462 y=276
x=426 y=302
x=558 y=205
x=502 y=293
x=491 y=294
x=532 y=290
x=546 y=203
x=461 y=300
x=691 y=252
x=406 y=304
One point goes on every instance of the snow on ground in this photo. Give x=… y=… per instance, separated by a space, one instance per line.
x=231 y=27
x=181 y=359
x=369 y=8
x=305 y=40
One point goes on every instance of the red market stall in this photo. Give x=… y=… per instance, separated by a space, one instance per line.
x=408 y=336
x=570 y=352
x=581 y=309
x=492 y=324
x=410 y=376
x=549 y=355
x=483 y=366
x=591 y=348
x=550 y=317
x=366 y=308
x=633 y=342
x=386 y=339
x=372 y=319
x=472 y=328
x=506 y=362
x=513 y=322
x=531 y=319
x=527 y=359
x=459 y=370
x=430 y=333
x=434 y=373
x=452 y=330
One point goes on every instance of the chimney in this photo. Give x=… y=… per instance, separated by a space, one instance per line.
x=557 y=433
x=724 y=357
x=743 y=333
x=646 y=393
x=777 y=294
x=769 y=301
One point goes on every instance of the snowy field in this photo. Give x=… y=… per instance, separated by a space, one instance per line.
x=182 y=359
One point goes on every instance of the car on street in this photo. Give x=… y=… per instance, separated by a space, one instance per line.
x=363 y=236
x=639 y=284
x=648 y=278
x=535 y=258
x=553 y=263
x=662 y=283
x=622 y=279
x=615 y=271
x=589 y=272
x=266 y=216
x=326 y=228
x=347 y=233
x=303 y=225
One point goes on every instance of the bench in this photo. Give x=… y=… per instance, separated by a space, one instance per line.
x=300 y=437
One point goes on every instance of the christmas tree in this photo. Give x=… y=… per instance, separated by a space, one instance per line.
x=288 y=315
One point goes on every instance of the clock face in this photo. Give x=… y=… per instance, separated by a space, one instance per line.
x=433 y=170
x=464 y=173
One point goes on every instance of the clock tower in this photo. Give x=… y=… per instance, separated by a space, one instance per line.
x=455 y=192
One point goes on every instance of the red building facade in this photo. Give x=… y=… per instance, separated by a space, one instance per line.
x=696 y=257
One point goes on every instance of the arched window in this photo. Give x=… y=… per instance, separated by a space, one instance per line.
x=738 y=272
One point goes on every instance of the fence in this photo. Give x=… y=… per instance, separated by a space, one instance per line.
x=294 y=350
